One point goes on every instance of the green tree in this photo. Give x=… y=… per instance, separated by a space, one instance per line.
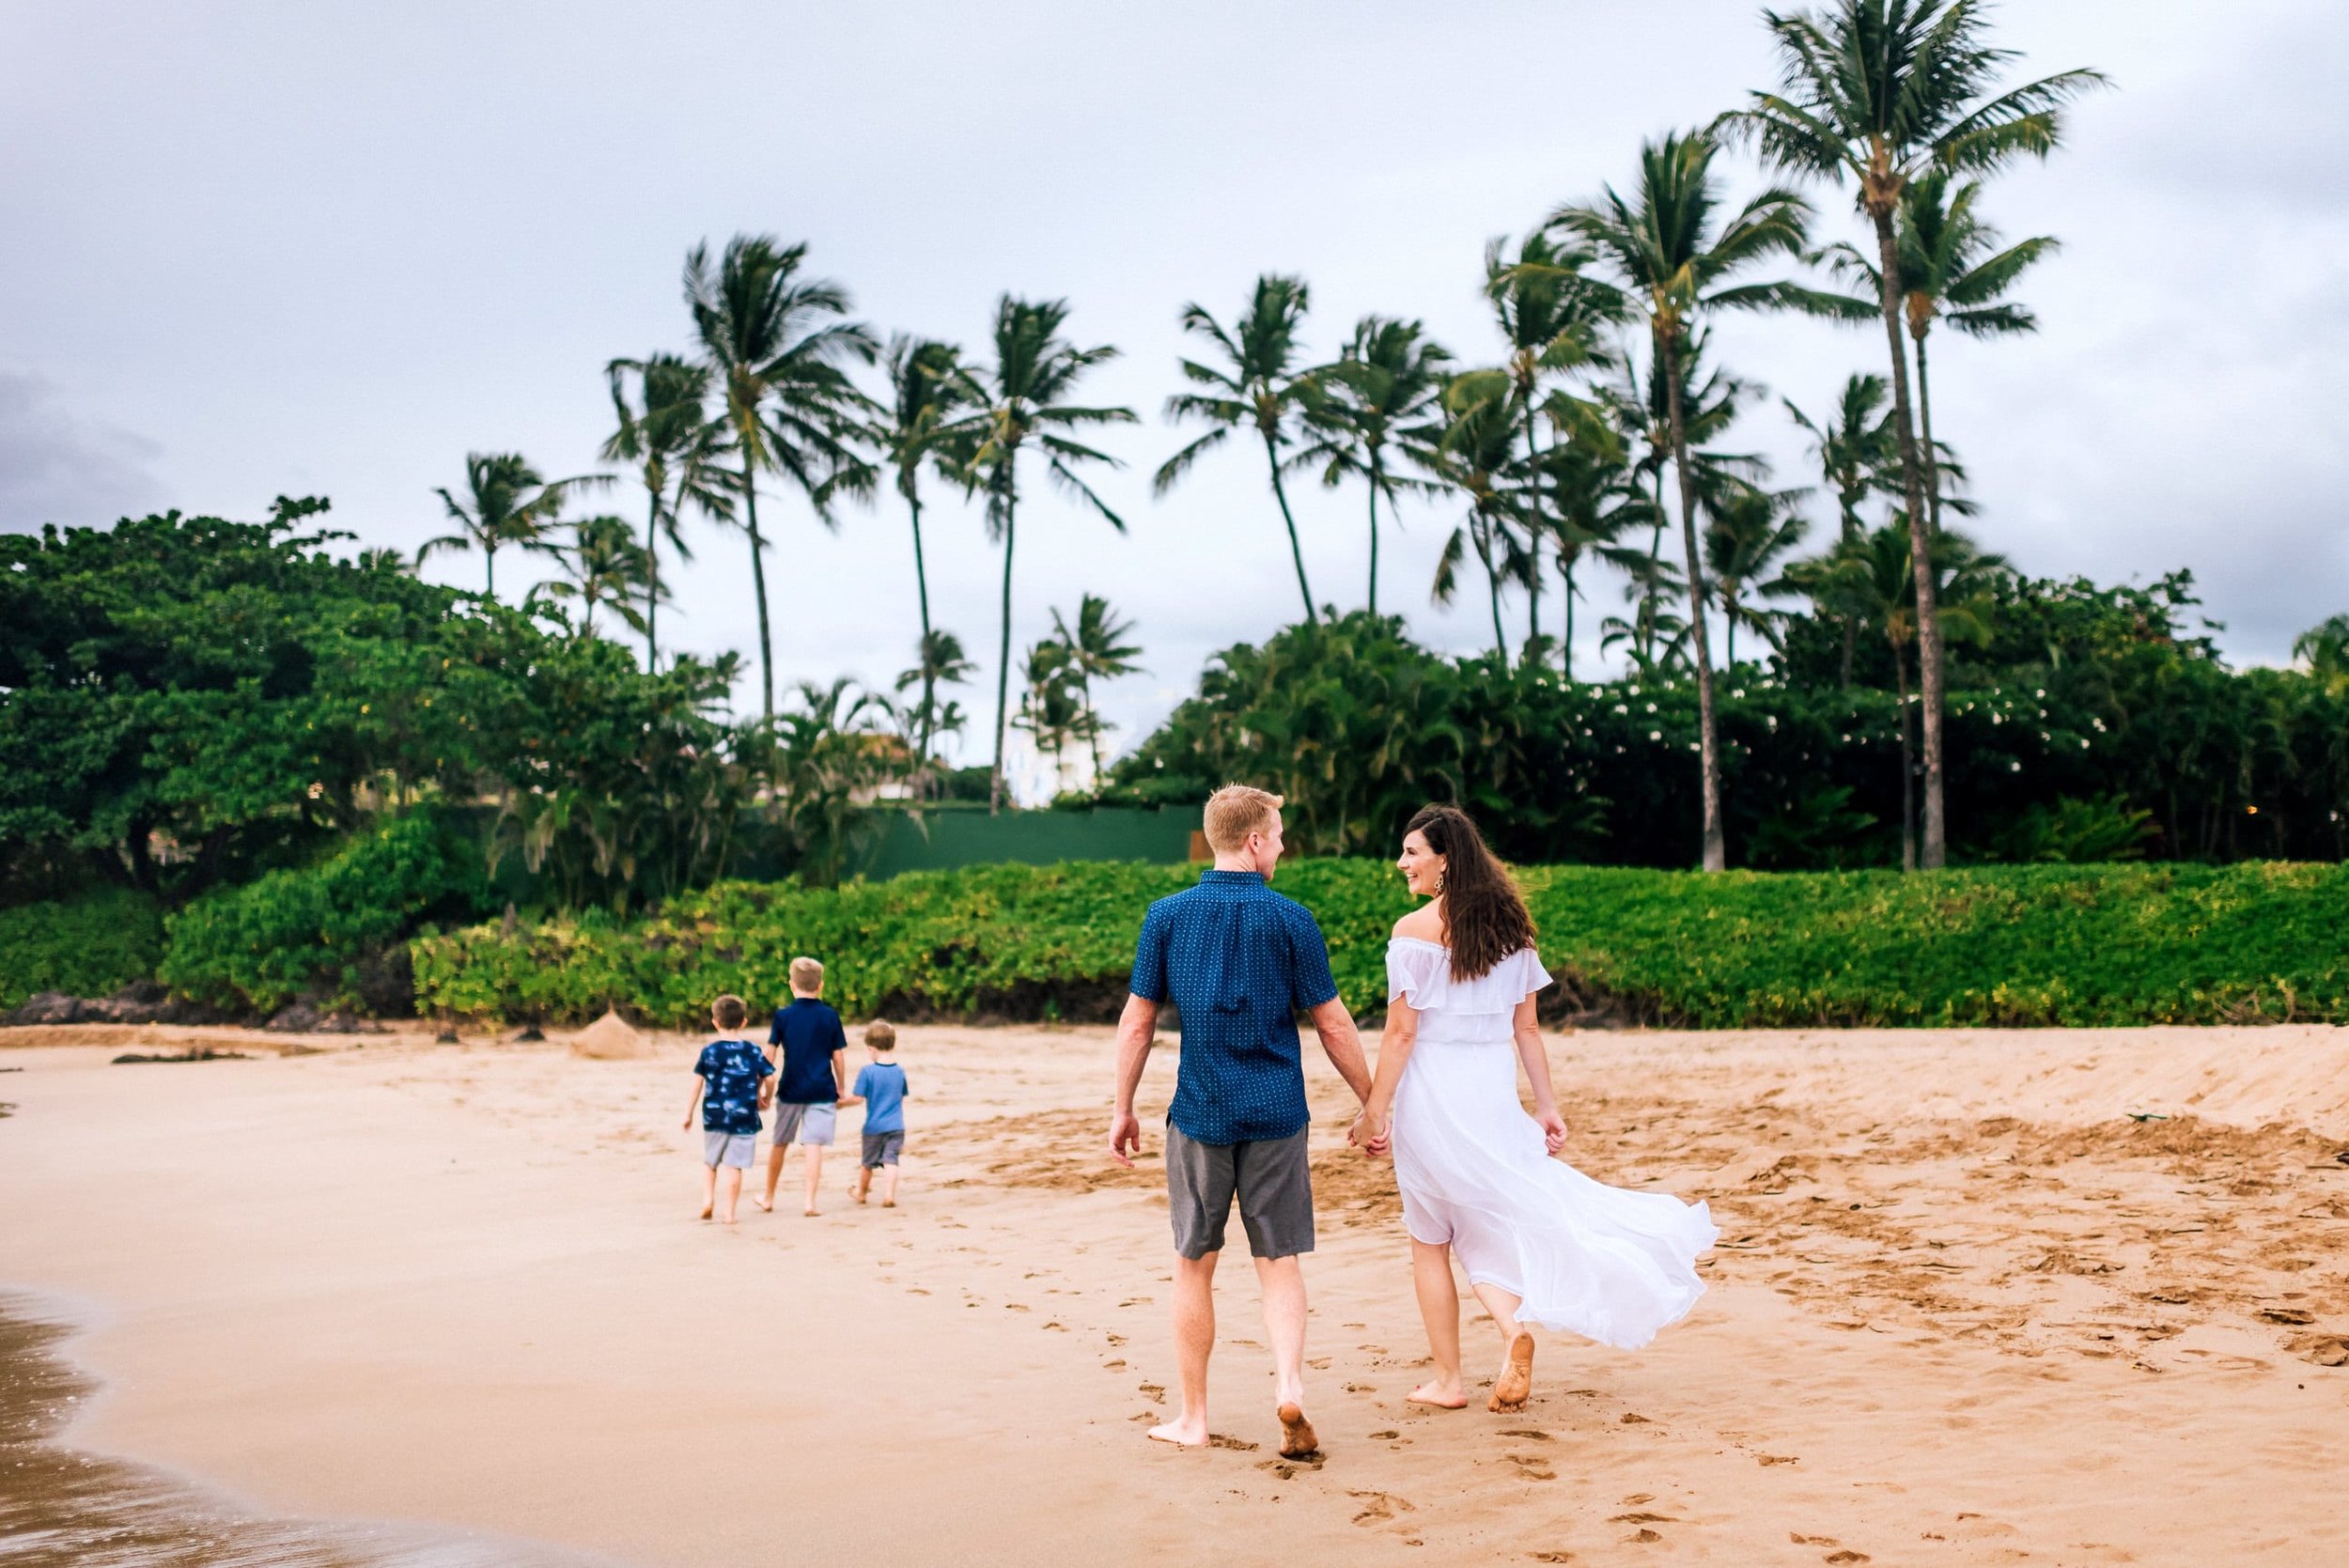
x=831 y=756
x=506 y=503
x=603 y=565
x=1551 y=319
x=939 y=662
x=1388 y=378
x=923 y=424
x=1035 y=370
x=1051 y=705
x=1674 y=255
x=1470 y=448
x=1855 y=450
x=1880 y=92
x=1097 y=650
x=679 y=454
x=1595 y=496
x=1750 y=536
x=1953 y=268
x=2325 y=649
x=775 y=341
x=1257 y=387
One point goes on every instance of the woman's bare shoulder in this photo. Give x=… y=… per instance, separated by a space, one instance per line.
x=1421 y=924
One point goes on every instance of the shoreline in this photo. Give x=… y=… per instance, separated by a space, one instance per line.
x=1961 y=1294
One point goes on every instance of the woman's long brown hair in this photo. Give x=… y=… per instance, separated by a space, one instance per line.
x=1483 y=915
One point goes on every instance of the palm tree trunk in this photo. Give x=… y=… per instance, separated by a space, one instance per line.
x=1708 y=745
x=1482 y=528
x=1932 y=457
x=1565 y=649
x=1297 y=553
x=652 y=587
x=759 y=589
x=1534 y=533
x=490 y=572
x=1729 y=614
x=921 y=592
x=1003 y=660
x=1374 y=535
x=1935 y=850
x=1908 y=766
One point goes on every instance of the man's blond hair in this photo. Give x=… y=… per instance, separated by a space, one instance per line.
x=807 y=975
x=1236 y=811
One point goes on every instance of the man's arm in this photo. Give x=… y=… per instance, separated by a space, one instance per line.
x=1342 y=1044
x=1137 y=1031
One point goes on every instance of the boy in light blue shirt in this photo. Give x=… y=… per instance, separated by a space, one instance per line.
x=881 y=1086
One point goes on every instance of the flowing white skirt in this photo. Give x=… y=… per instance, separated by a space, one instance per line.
x=1613 y=1265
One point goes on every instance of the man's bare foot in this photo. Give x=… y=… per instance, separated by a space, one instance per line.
x=1517 y=1377
x=1443 y=1396
x=1297 y=1433
x=1183 y=1431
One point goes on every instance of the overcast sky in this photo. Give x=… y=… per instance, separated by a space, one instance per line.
x=262 y=248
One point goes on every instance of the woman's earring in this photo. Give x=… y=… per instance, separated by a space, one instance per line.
x=1439 y=882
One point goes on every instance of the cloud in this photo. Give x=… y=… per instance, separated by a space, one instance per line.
x=57 y=468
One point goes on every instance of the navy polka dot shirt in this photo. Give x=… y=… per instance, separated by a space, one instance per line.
x=1239 y=962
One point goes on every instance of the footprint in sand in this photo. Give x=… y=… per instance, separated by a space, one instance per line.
x=1848 y=1557
x=1541 y=1437
x=1532 y=1466
x=1380 y=1508
x=1642 y=1517
x=1768 y=1459
x=1154 y=1393
x=1220 y=1440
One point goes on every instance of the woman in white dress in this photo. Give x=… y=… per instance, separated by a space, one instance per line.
x=1541 y=1243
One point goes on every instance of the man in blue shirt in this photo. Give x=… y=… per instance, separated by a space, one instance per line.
x=1239 y=962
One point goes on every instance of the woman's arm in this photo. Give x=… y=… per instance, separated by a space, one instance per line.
x=1395 y=1053
x=1528 y=1032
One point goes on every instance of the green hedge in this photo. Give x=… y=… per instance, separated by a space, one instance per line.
x=85 y=947
x=2015 y=945
x=331 y=932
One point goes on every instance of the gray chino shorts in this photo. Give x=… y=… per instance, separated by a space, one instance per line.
x=1271 y=1179
x=732 y=1149
x=808 y=1126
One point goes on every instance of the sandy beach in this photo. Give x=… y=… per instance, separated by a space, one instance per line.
x=1968 y=1308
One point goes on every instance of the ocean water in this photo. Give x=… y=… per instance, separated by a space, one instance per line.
x=63 y=1509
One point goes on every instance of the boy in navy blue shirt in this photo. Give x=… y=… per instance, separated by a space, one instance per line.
x=807 y=1046
x=882 y=1087
x=730 y=1088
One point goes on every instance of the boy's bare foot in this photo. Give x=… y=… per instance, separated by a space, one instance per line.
x=764 y=1205
x=809 y=1212
x=854 y=1193
x=1297 y=1433
x=725 y=1219
x=889 y=1202
x=1443 y=1396
x=1516 y=1377
x=708 y=1209
x=1183 y=1431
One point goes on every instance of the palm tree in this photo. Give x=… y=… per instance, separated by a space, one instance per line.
x=1550 y=316
x=1596 y=493
x=1470 y=447
x=506 y=503
x=939 y=660
x=603 y=564
x=1050 y=709
x=680 y=452
x=774 y=341
x=1097 y=650
x=1950 y=268
x=1871 y=580
x=1881 y=91
x=1034 y=370
x=1855 y=449
x=923 y=424
x=2325 y=649
x=1753 y=532
x=1674 y=258
x=1260 y=389
x=1389 y=375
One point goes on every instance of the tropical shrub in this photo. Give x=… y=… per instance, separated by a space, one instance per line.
x=331 y=933
x=2089 y=945
x=91 y=946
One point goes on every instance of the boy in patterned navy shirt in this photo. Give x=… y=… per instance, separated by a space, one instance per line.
x=730 y=1087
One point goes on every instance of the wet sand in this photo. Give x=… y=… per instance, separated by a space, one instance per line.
x=1967 y=1311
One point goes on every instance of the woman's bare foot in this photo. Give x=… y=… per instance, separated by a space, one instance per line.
x=1443 y=1396
x=1183 y=1431
x=1517 y=1375
x=1297 y=1433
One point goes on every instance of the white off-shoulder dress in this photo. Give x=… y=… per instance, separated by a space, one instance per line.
x=1590 y=1259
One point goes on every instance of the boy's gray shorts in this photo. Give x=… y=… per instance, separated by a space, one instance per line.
x=1270 y=1178
x=883 y=1148
x=809 y=1126
x=728 y=1148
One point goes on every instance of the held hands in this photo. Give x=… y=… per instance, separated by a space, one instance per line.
x=1553 y=1127
x=1372 y=1132
x=1125 y=1138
